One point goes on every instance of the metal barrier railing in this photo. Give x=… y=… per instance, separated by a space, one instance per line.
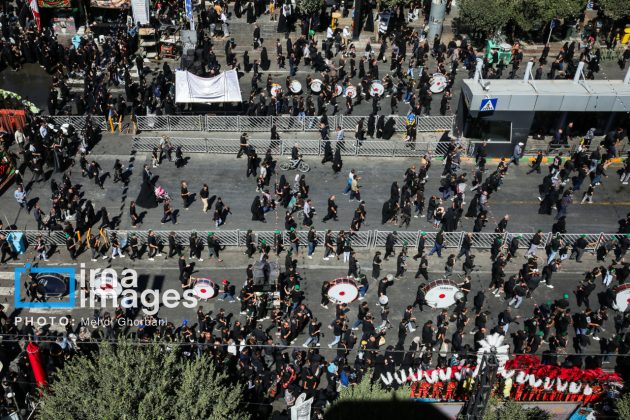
x=241 y=123
x=360 y=239
x=306 y=146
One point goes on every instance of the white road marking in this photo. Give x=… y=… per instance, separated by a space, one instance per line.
x=7 y=291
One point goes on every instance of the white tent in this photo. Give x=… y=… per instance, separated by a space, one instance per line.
x=194 y=89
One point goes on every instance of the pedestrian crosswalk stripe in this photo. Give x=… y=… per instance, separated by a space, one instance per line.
x=7 y=275
x=7 y=291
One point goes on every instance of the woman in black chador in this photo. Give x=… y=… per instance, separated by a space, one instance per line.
x=337 y=162
x=257 y=210
x=146 y=198
x=472 y=208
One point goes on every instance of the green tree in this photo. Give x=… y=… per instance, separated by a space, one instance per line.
x=308 y=7
x=124 y=381
x=536 y=14
x=486 y=16
x=510 y=410
x=366 y=390
x=616 y=9
x=623 y=407
x=490 y=16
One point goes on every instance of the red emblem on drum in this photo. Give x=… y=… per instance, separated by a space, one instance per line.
x=204 y=288
x=343 y=290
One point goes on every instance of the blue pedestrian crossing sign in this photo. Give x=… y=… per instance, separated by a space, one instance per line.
x=488 y=104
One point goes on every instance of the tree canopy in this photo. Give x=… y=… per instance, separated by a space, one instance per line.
x=124 y=381
x=510 y=410
x=490 y=16
x=367 y=390
x=616 y=9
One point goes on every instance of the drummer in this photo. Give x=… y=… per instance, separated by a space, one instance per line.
x=33 y=291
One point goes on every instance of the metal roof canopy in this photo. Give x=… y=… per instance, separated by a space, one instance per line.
x=549 y=95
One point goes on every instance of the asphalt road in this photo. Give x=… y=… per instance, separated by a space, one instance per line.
x=162 y=275
x=225 y=176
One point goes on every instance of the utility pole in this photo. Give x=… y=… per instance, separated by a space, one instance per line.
x=475 y=407
x=358 y=19
x=436 y=19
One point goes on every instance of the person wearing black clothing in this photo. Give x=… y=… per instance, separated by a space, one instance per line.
x=183 y=269
x=423 y=268
x=94 y=172
x=250 y=243
x=173 y=246
x=402 y=333
x=314 y=333
x=583 y=292
x=547 y=272
x=421 y=244
x=118 y=168
x=420 y=298
x=194 y=251
x=135 y=247
x=324 y=293
x=466 y=246
x=457 y=340
x=390 y=242
x=427 y=334
x=376 y=265
x=579 y=247
x=479 y=335
x=295 y=153
x=506 y=318
x=352 y=265
x=401 y=264
x=536 y=163
x=153 y=246
x=478 y=301
x=469 y=264
x=332 y=210
x=243 y=145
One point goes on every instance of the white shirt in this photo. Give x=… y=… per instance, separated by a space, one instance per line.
x=329 y=33
x=340 y=135
x=19 y=137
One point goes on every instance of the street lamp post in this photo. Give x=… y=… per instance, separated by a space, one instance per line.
x=475 y=407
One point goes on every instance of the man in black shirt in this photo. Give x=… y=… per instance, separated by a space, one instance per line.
x=332 y=209
x=579 y=247
x=421 y=244
x=466 y=245
x=423 y=268
x=243 y=145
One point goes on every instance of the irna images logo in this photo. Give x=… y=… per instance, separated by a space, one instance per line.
x=53 y=282
x=55 y=288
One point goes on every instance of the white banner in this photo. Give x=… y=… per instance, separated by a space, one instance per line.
x=194 y=89
x=140 y=10
x=302 y=408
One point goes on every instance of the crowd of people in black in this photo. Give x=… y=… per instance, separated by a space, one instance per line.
x=274 y=350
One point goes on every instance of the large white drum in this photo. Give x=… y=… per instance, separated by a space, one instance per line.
x=204 y=289
x=343 y=290
x=316 y=85
x=441 y=293
x=622 y=297
x=438 y=83
x=377 y=88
